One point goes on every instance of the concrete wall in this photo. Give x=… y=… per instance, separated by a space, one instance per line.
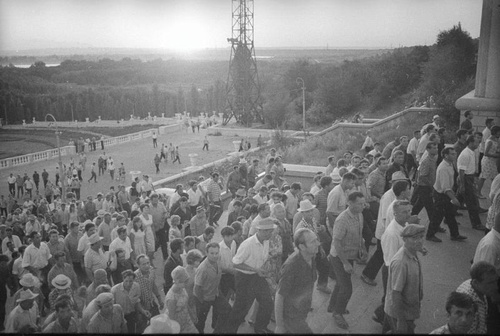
x=246 y=132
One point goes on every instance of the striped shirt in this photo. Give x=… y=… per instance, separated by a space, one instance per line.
x=214 y=191
x=347 y=229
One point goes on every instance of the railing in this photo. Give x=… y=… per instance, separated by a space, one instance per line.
x=70 y=150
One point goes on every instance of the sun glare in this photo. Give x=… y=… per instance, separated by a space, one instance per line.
x=185 y=35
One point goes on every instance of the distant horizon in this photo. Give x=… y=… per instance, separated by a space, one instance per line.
x=25 y=52
x=185 y=25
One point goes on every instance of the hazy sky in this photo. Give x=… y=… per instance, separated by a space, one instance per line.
x=184 y=24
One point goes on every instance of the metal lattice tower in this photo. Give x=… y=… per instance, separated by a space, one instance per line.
x=243 y=100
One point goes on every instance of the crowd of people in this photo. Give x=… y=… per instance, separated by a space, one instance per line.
x=88 y=266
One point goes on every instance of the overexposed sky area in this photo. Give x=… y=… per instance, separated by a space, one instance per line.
x=191 y=24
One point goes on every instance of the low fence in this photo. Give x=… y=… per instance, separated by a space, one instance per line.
x=71 y=150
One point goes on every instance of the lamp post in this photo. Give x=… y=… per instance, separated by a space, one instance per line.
x=300 y=81
x=61 y=172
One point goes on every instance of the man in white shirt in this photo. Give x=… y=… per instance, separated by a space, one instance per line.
x=195 y=196
x=411 y=151
x=122 y=242
x=391 y=242
x=488 y=248
x=36 y=260
x=292 y=200
x=250 y=280
x=261 y=197
x=466 y=164
x=337 y=199
x=331 y=165
x=83 y=242
x=10 y=238
x=422 y=144
x=227 y=252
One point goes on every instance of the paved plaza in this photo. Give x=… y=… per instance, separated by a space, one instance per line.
x=444 y=268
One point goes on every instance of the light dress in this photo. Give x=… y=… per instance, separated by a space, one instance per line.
x=139 y=242
x=181 y=314
x=147 y=226
x=489 y=164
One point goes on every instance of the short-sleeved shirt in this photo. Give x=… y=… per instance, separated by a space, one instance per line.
x=148 y=287
x=125 y=245
x=208 y=277
x=347 y=229
x=36 y=257
x=100 y=325
x=385 y=202
x=479 y=324
x=467 y=161
x=391 y=241
x=96 y=260
x=337 y=200
x=19 y=318
x=291 y=204
x=227 y=254
x=296 y=286
x=412 y=146
x=214 y=191
x=127 y=299
x=405 y=276
x=83 y=244
x=488 y=249
x=252 y=253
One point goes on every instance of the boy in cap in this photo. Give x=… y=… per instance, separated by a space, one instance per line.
x=405 y=282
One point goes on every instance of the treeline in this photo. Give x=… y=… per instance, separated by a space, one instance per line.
x=445 y=71
x=111 y=89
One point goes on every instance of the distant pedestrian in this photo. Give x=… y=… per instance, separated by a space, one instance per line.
x=163 y=152
x=102 y=142
x=171 y=150
x=92 y=172
x=155 y=140
x=111 y=168
x=45 y=178
x=205 y=143
x=121 y=172
x=177 y=155
x=157 y=161
x=36 y=179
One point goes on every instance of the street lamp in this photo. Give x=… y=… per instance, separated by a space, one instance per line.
x=300 y=81
x=61 y=173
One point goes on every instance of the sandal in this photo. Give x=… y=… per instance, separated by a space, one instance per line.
x=340 y=322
